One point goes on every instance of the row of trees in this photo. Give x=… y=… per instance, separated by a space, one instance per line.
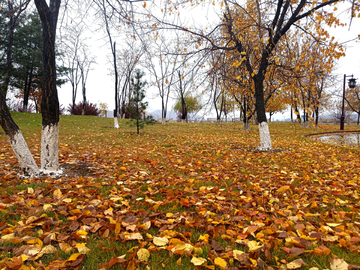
x=256 y=52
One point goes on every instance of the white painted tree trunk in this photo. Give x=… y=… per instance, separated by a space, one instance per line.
x=22 y=152
x=246 y=126
x=265 y=139
x=116 y=123
x=50 y=149
x=163 y=121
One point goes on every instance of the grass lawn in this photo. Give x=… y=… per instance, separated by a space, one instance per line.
x=180 y=196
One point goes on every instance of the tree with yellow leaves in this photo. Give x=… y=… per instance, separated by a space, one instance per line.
x=257 y=36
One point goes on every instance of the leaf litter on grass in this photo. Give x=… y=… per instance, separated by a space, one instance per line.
x=187 y=192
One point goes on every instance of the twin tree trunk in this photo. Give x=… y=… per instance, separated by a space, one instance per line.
x=49 y=103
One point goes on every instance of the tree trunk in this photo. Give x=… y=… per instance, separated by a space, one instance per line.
x=265 y=139
x=27 y=90
x=18 y=144
x=116 y=124
x=316 y=117
x=49 y=102
x=245 y=117
x=298 y=118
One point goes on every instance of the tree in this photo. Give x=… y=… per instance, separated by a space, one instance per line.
x=254 y=30
x=71 y=46
x=103 y=108
x=352 y=98
x=84 y=70
x=136 y=107
x=191 y=104
x=107 y=17
x=13 y=14
x=27 y=58
x=49 y=102
x=128 y=59
x=17 y=141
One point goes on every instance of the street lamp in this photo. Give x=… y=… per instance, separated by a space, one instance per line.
x=352 y=84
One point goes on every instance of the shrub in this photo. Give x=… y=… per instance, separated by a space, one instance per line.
x=18 y=107
x=90 y=109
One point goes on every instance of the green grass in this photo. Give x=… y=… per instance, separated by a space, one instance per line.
x=181 y=161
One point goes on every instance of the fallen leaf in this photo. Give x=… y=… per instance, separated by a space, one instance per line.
x=160 y=241
x=197 y=261
x=220 y=262
x=338 y=264
x=295 y=264
x=143 y=255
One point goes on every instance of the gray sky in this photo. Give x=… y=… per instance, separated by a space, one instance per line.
x=100 y=84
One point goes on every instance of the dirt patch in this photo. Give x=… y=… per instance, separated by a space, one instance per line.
x=78 y=169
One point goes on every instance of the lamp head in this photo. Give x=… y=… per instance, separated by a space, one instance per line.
x=352 y=83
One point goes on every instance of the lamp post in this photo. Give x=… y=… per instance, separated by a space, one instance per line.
x=352 y=84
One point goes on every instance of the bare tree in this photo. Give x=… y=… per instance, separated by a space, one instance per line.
x=84 y=66
x=72 y=43
x=162 y=62
x=128 y=59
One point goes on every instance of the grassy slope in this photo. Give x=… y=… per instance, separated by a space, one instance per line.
x=193 y=179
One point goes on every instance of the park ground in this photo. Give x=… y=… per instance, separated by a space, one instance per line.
x=181 y=196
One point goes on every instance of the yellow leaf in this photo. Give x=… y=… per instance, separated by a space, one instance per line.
x=204 y=238
x=160 y=241
x=220 y=262
x=178 y=262
x=57 y=193
x=37 y=242
x=283 y=189
x=8 y=237
x=47 y=207
x=82 y=248
x=253 y=245
x=143 y=255
x=133 y=236
x=81 y=233
x=74 y=256
x=197 y=261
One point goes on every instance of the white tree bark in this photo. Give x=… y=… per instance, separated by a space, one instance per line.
x=22 y=152
x=163 y=121
x=116 y=123
x=50 y=149
x=265 y=139
x=246 y=126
